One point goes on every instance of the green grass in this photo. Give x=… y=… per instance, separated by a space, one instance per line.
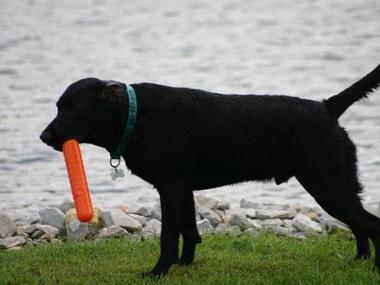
x=220 y=259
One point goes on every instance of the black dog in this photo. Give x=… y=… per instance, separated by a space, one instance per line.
x=187 y=139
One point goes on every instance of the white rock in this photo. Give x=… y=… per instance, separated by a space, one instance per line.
x=305 y=224
x=331 y=224
x=130 y=207
x=288 y=224
x=118 y=218
x=53 y=217
x=276 y=206
x=210 y=215
x=9 y=242
x=263 y=214
x=50 y=232
x=141 y=219
x=223 y=228
x=250 y=213
x=112 y=232
x=271 y=223
x=292 y=213
x=206 y=202
x=78 y=231
x=143 y=211
x=66 y=205
x=237 y=217
x=153 y=227
x=7 y=226
x=220 y=213
x=282 y=231
x=255 y=224
x=156 y=212
x=252 y=231
x=30 y=219
x=204 y=226
x=250 y=204
x=223 y=205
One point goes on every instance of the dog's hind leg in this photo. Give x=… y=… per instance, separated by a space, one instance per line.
x=343 y=205
x=331 y=178
x=189 y=230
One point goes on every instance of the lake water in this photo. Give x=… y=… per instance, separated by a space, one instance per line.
x=301 y=48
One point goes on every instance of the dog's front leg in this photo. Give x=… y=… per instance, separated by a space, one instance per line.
x=171 y=197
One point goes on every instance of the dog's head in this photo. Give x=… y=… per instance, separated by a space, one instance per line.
x=88 y=111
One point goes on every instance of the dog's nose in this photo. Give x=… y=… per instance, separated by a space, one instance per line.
x=45 y=137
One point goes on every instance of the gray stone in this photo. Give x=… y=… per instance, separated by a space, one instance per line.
x=234 y=230
x=223 y=205
x=220 y=213
x=20 y=228
x=117 y=217
x=252 y=231
x=206 y=202
x=32 y=219
x=29 y=229
x=53 y=217
x=223 y=228
x=250 y=213
x=156 y=212
x=141 y=219
x=130 y=208
x=50 y=232
x=77 y=230
x=137 y=237
x=256 y=224
x=276 y=206
x=263 y=214
x=331 y=225
x=292 y=213
x=271 y=223
x=209 y=215
x=66 y=205
x=237 y=217
x=305 y=209
x=113 y=232
x=249 y=204
x=288 y=224
x=204 y=226
x=37 y=234
x=7 y=226
x=143 y=211
x=282 y=231
x=153 y=227
x=9 y=242
x=305 y=224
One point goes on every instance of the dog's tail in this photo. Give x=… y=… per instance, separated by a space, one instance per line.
x=339 y=103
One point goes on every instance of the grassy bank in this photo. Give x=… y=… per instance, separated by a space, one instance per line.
x=222 y=259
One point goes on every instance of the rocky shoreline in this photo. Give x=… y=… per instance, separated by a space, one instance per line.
x=60 y=223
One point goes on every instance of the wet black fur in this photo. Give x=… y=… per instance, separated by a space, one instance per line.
x=188 y=139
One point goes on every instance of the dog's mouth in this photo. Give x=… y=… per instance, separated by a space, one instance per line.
x=49 y=140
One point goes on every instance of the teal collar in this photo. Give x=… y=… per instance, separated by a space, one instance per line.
x=128 y=130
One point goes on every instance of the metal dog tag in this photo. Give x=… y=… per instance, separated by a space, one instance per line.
x=116 y=173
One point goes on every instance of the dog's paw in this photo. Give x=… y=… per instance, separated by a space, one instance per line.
x=363 y=256
x=184 y=261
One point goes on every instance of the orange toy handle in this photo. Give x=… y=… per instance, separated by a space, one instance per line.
x=78 y=181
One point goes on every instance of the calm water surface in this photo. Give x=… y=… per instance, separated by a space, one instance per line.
x=301 y=48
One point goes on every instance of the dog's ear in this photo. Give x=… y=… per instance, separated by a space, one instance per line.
x=113 y=89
